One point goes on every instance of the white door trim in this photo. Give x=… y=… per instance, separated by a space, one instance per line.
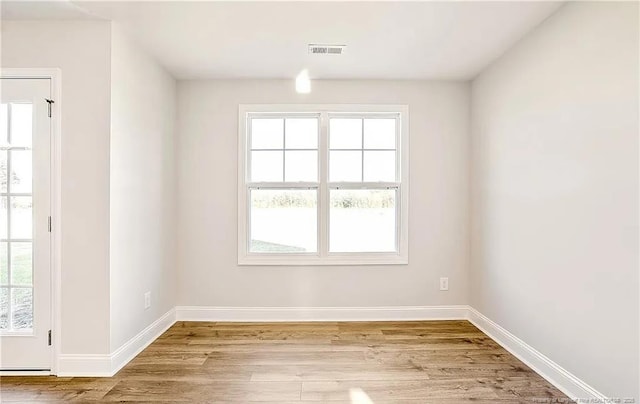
x=55 y=75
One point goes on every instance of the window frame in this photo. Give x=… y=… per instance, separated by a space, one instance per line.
x=324 y=112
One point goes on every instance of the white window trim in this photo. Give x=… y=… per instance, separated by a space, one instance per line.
x=401 y=257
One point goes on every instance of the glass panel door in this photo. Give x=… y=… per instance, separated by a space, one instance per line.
x=25 y=279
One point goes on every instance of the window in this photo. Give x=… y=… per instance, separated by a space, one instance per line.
x=322 y=185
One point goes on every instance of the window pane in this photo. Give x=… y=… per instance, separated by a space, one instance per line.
x=4 y=174
x=362 y=221
x=301 y=166
x=267 y=133
x=379 y=166
x=21 y=220
x=345 y=166
x=21 y=264
x=345 y=133
x=4 y=264
x=21 y=176
x=379 y=133
x=283 y=221
x=22 y=308
x=21 y=123
x=266 y=166
x=301 y=133
x=4 y=126
x=4 y=308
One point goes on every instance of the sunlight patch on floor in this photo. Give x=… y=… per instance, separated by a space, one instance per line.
x=358 y=396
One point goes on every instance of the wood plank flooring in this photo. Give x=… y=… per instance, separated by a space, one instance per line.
x=434 y=362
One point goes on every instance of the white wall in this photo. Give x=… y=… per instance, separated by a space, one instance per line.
x=207 y=199
x=118 y=177
x=142 y=198
x=555 y=193
x=81 y=50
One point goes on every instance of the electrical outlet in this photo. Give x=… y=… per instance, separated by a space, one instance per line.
x=444 y=283
x=147 y=300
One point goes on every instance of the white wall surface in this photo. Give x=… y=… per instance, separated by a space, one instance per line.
x=207 y=199
x=555 y=193
x=81 y=50
x=143 y=216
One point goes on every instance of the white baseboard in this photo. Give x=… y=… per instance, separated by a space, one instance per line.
x=80 y=365
x=564 y=380
x=277 y=314
x=137 y=344
x=109 y=365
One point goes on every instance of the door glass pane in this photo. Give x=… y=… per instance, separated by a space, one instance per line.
x=21 y=125
x=4 y=263
x=21 y=217
x=379 y=166
x=301 y=166
x=4 y=227
x=379 y=133
x=22 y=308
x=283 y=221
x=21 y=171
x=301 y=133
x=345 y=133
x=4 y=171
x=21 y=264
x=4 y=308
x=266 y=166
x=267 y=133
x=345 y=166
x=362 y=221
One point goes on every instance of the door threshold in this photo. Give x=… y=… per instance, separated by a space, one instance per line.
x=26 y=372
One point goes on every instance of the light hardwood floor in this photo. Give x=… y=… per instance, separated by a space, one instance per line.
x=430 y=362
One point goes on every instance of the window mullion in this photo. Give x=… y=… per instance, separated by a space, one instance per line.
x=284 y=149
x=362 y=150
x=364 y=185
x=323 y=197
x=282 y=185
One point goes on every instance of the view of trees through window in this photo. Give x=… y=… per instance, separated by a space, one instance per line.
x=346 y=199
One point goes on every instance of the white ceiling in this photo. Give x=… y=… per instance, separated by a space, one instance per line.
x=385 y=40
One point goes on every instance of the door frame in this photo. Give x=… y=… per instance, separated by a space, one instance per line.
x=55 y=75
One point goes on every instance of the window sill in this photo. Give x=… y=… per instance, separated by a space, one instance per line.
x=350 y=260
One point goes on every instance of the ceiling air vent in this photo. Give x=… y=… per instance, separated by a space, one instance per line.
x=326 y=49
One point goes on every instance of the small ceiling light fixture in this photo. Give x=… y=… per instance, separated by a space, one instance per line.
x=303 y=82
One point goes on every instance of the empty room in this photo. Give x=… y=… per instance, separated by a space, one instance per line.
x=354 y=202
